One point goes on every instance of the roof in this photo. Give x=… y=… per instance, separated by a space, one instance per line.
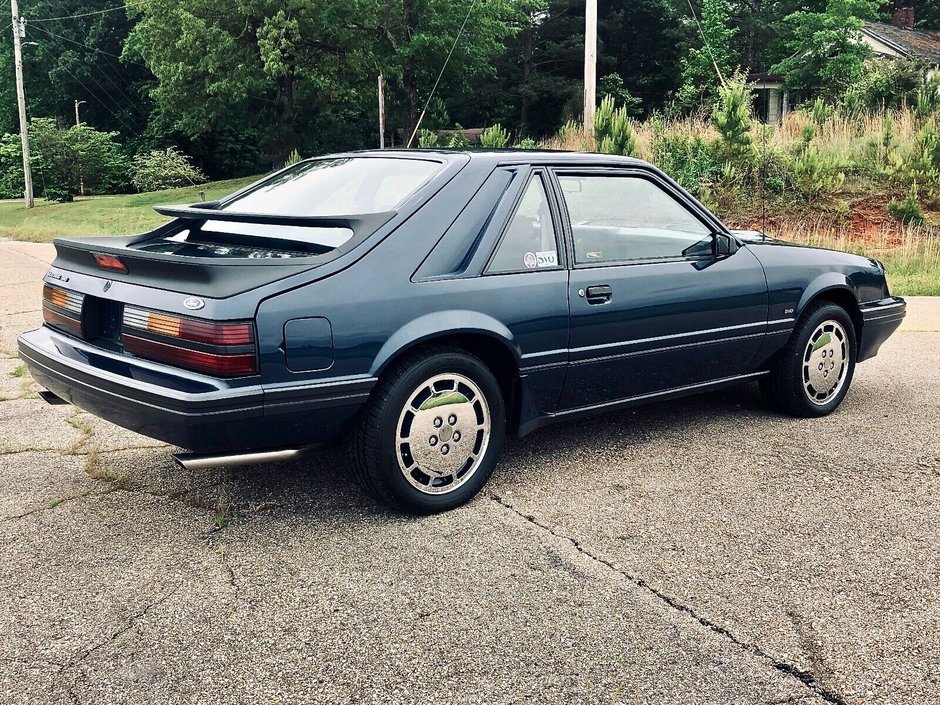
x=922 y=44
x=554 y=156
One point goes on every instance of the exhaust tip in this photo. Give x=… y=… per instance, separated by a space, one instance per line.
x=204 y=461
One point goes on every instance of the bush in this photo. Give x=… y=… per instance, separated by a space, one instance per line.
x=928 y=96
x=921 y=163
x=816 y=175
x=819 y=111
x=11 y=167
x=612 y=85
x=613 y=129
x=163 y=169
x=527 y=143
x=428 y=139
x=884 y=84
x=907 y=210
x=689 y=160
x=458 y=140
x=495 y=137
x=292 y=158
x=66 y=159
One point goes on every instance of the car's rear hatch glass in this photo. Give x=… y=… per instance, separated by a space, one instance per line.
x=317 y=194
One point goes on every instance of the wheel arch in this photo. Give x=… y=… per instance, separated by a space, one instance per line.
x=838 y=293
x=477 y=334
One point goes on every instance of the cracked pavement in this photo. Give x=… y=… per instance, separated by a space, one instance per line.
x=699 y=551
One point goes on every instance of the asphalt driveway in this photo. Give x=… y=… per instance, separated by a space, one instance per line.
x=700 y=551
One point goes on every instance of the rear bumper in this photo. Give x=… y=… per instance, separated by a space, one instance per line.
x=189 y=410
x=879 y=320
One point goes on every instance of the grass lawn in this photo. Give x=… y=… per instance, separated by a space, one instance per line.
x=101 y=215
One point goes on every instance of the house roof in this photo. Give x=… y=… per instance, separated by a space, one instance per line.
x=922 y=44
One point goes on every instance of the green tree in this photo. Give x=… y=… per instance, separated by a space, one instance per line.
x=248 y=65
x=710 y=61
x=416 y=37
x=538 y=81
x=732 y=119
x=825 y=56
x=74 y=54
x=80 y=155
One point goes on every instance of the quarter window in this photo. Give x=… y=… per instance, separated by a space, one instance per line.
x=622 y=218
x=529 y=240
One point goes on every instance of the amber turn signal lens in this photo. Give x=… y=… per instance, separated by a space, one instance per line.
x=62 y=309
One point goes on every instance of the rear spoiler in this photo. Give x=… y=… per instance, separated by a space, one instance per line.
x=361 y=224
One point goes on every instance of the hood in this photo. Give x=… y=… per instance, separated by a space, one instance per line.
x=755 y=236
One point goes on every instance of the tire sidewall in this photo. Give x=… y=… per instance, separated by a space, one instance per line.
x=445 y=363
x=823 y=313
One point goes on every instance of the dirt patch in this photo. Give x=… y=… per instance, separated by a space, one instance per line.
x=863 y=224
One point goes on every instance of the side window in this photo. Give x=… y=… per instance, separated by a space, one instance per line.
x=621 y=218
x=529 y=239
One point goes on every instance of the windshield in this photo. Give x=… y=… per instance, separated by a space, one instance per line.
x=340 y=187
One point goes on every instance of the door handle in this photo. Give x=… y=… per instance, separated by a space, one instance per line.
x=599 y=294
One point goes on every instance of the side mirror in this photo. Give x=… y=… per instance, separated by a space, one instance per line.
x=725 y=245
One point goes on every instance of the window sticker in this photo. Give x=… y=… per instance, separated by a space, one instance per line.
x=530 y=260
x=548 y=258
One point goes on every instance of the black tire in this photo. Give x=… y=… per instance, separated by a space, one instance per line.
x=786 y=386
x=375 y=446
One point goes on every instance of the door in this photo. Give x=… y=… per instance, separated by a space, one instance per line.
x=660 y=299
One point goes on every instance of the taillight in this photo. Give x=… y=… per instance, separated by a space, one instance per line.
x=62 y=309
x=221 y=349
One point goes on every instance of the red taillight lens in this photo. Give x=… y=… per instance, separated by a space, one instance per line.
x=106 y=261
x=222 y=349
x=217 y=364
x=62 y=309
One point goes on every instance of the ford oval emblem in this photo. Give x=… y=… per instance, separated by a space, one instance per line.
x=107 y=285
x=194 y=303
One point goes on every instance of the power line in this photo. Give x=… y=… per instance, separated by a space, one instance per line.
x=95 y=96
x=83 y=14
x=90 y=48
x=127 y=100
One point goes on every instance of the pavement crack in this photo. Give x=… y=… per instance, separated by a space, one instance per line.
x=51 y=504
x=122 y=630
x=805 y=677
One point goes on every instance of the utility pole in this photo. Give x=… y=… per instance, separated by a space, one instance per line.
x=19 y=31
x=381 y=112
x=590 y=65
x=81 y=177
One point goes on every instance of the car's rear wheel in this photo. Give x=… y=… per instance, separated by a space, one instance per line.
x=812 y=374
x=430 y=435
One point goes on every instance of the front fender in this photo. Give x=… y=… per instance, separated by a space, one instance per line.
x=440 y=324
x=827 y=281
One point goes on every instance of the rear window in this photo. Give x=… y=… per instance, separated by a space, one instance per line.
x=339 y=187
x=324 y=187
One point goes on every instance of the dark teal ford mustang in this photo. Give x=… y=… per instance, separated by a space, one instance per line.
x=426 y=303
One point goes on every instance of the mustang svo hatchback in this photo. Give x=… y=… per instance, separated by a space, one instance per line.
x=423 y=304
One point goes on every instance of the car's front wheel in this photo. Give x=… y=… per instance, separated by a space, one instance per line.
x=430 y=435
x=813 y=372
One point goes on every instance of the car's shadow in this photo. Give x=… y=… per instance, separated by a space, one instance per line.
x=321 y=484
